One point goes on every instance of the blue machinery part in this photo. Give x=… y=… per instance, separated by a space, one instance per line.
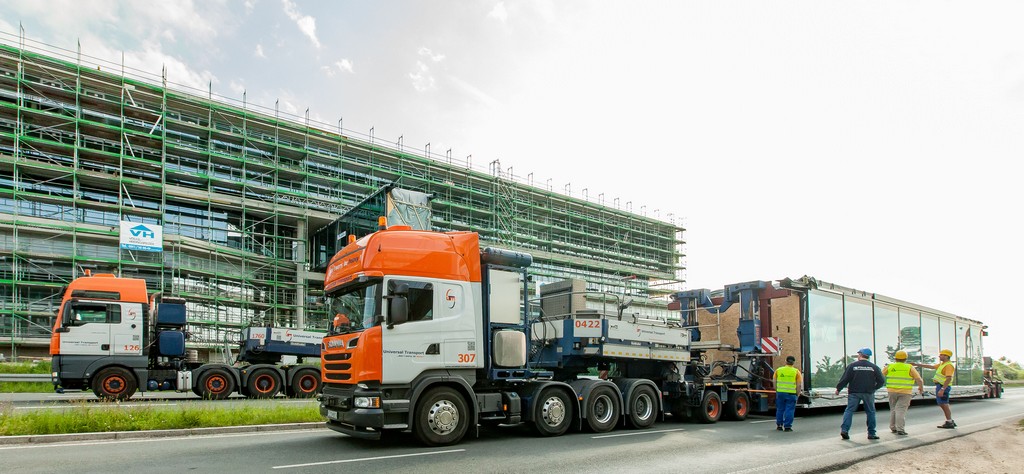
x=746 y=294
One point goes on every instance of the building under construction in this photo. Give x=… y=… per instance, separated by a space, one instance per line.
x=91 y=150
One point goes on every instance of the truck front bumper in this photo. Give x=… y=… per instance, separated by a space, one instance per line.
x=336 y=404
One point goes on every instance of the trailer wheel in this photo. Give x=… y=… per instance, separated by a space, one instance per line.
x=737 y=407
x=263 y=383
x=216 y=384
x=602 y=409
x=306 y=384
x=552 y=412
x=114 y=383
x=643 y=407
x=441 y=417
x=710 y=408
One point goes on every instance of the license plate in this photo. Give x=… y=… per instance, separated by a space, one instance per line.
x=332 y=414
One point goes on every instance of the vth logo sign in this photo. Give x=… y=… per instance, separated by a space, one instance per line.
x=142 y=231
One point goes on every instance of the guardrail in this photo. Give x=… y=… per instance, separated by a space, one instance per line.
x=25 y=377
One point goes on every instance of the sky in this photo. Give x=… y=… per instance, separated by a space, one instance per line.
x=873 y=144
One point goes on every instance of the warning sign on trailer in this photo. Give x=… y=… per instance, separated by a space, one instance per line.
x=770 y=345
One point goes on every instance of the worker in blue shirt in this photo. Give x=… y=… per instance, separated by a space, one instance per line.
x=863 y=378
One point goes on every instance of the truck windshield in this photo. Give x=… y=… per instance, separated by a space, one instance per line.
x=355 y=308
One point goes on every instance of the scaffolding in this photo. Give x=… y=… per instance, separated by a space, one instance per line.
x=238 y=189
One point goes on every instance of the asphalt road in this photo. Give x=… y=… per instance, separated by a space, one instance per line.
x=727 y=447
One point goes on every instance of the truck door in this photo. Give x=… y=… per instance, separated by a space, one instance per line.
x=102 y=328
x=440 y=332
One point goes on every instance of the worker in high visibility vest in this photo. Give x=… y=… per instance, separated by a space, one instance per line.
x=788 y=381
x=899 y=382
x=943 y=385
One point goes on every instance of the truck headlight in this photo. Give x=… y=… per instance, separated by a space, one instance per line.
x=367 y=402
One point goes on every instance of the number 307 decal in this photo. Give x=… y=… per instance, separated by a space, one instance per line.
x=467 y=358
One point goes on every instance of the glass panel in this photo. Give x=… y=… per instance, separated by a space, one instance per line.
x=947 y=340
x=929 y=345
x=977 y=357
x=910 y=335
x=859 y=327
x=963 y=354
x=887 y=333
x=825 y=328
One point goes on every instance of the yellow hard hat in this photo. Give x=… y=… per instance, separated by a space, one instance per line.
x=900 y=355
x=946 y=352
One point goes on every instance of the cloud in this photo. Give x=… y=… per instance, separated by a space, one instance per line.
x=345 y=65
x=499 y=12
x=237 y=87
x=475 y=92
x=342 y=65
x=422 y=79
x=306 y=23
x=259 y=51
x=430 y=54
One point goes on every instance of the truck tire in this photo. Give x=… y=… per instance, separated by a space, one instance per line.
x=737 y=407
x=552 y=412
x=305 y=383
x=602 y=409
x=114 y=384
x=643 y=407
x=263 y=383
x=216 y=384
x=442 y=418
x=710 y=409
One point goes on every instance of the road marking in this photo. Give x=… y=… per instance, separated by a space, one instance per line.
x=776 y=466
x=154 y=440
x=635 y=433
x=761 y=421
x=377 y=458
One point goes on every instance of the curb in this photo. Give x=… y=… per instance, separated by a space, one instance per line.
x=119 y=435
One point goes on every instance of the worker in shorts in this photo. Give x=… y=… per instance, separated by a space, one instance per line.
x=943 y=379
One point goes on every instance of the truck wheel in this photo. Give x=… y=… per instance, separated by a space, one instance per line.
x=441 y=417
x=552 y=412
x=216 y=384
x=306 y=384
x=710 y=408
x=114 y=383
x=643 y=407
x=602 y=409
x=263 y=383
x=737 y=407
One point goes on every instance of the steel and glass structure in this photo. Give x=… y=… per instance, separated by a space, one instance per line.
x=238 y=189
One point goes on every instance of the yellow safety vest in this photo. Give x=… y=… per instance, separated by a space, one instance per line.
x=785 y=381
x=897 y=376
x=938 y=377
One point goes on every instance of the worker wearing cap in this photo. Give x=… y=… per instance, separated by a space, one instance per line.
x=864 y=378
x=899 y=382
x=787 y=385
x=943 y=381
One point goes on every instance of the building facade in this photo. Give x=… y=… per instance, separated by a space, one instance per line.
x=237 y=191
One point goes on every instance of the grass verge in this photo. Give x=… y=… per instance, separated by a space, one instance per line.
x=102 y=417
x=42 y=367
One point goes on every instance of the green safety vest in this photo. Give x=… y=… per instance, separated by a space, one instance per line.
x=786 y=379
x=898 y=376
x=938 y=377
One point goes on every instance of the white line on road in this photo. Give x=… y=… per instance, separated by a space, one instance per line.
x=776 y=466
x=378 y=458
x=160 y=439
x=761 y=421
x=635 y=433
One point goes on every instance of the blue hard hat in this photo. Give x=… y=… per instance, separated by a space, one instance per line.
x=865 y=351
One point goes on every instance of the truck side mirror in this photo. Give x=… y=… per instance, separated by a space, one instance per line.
x=398 y=310
x=398 y=304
